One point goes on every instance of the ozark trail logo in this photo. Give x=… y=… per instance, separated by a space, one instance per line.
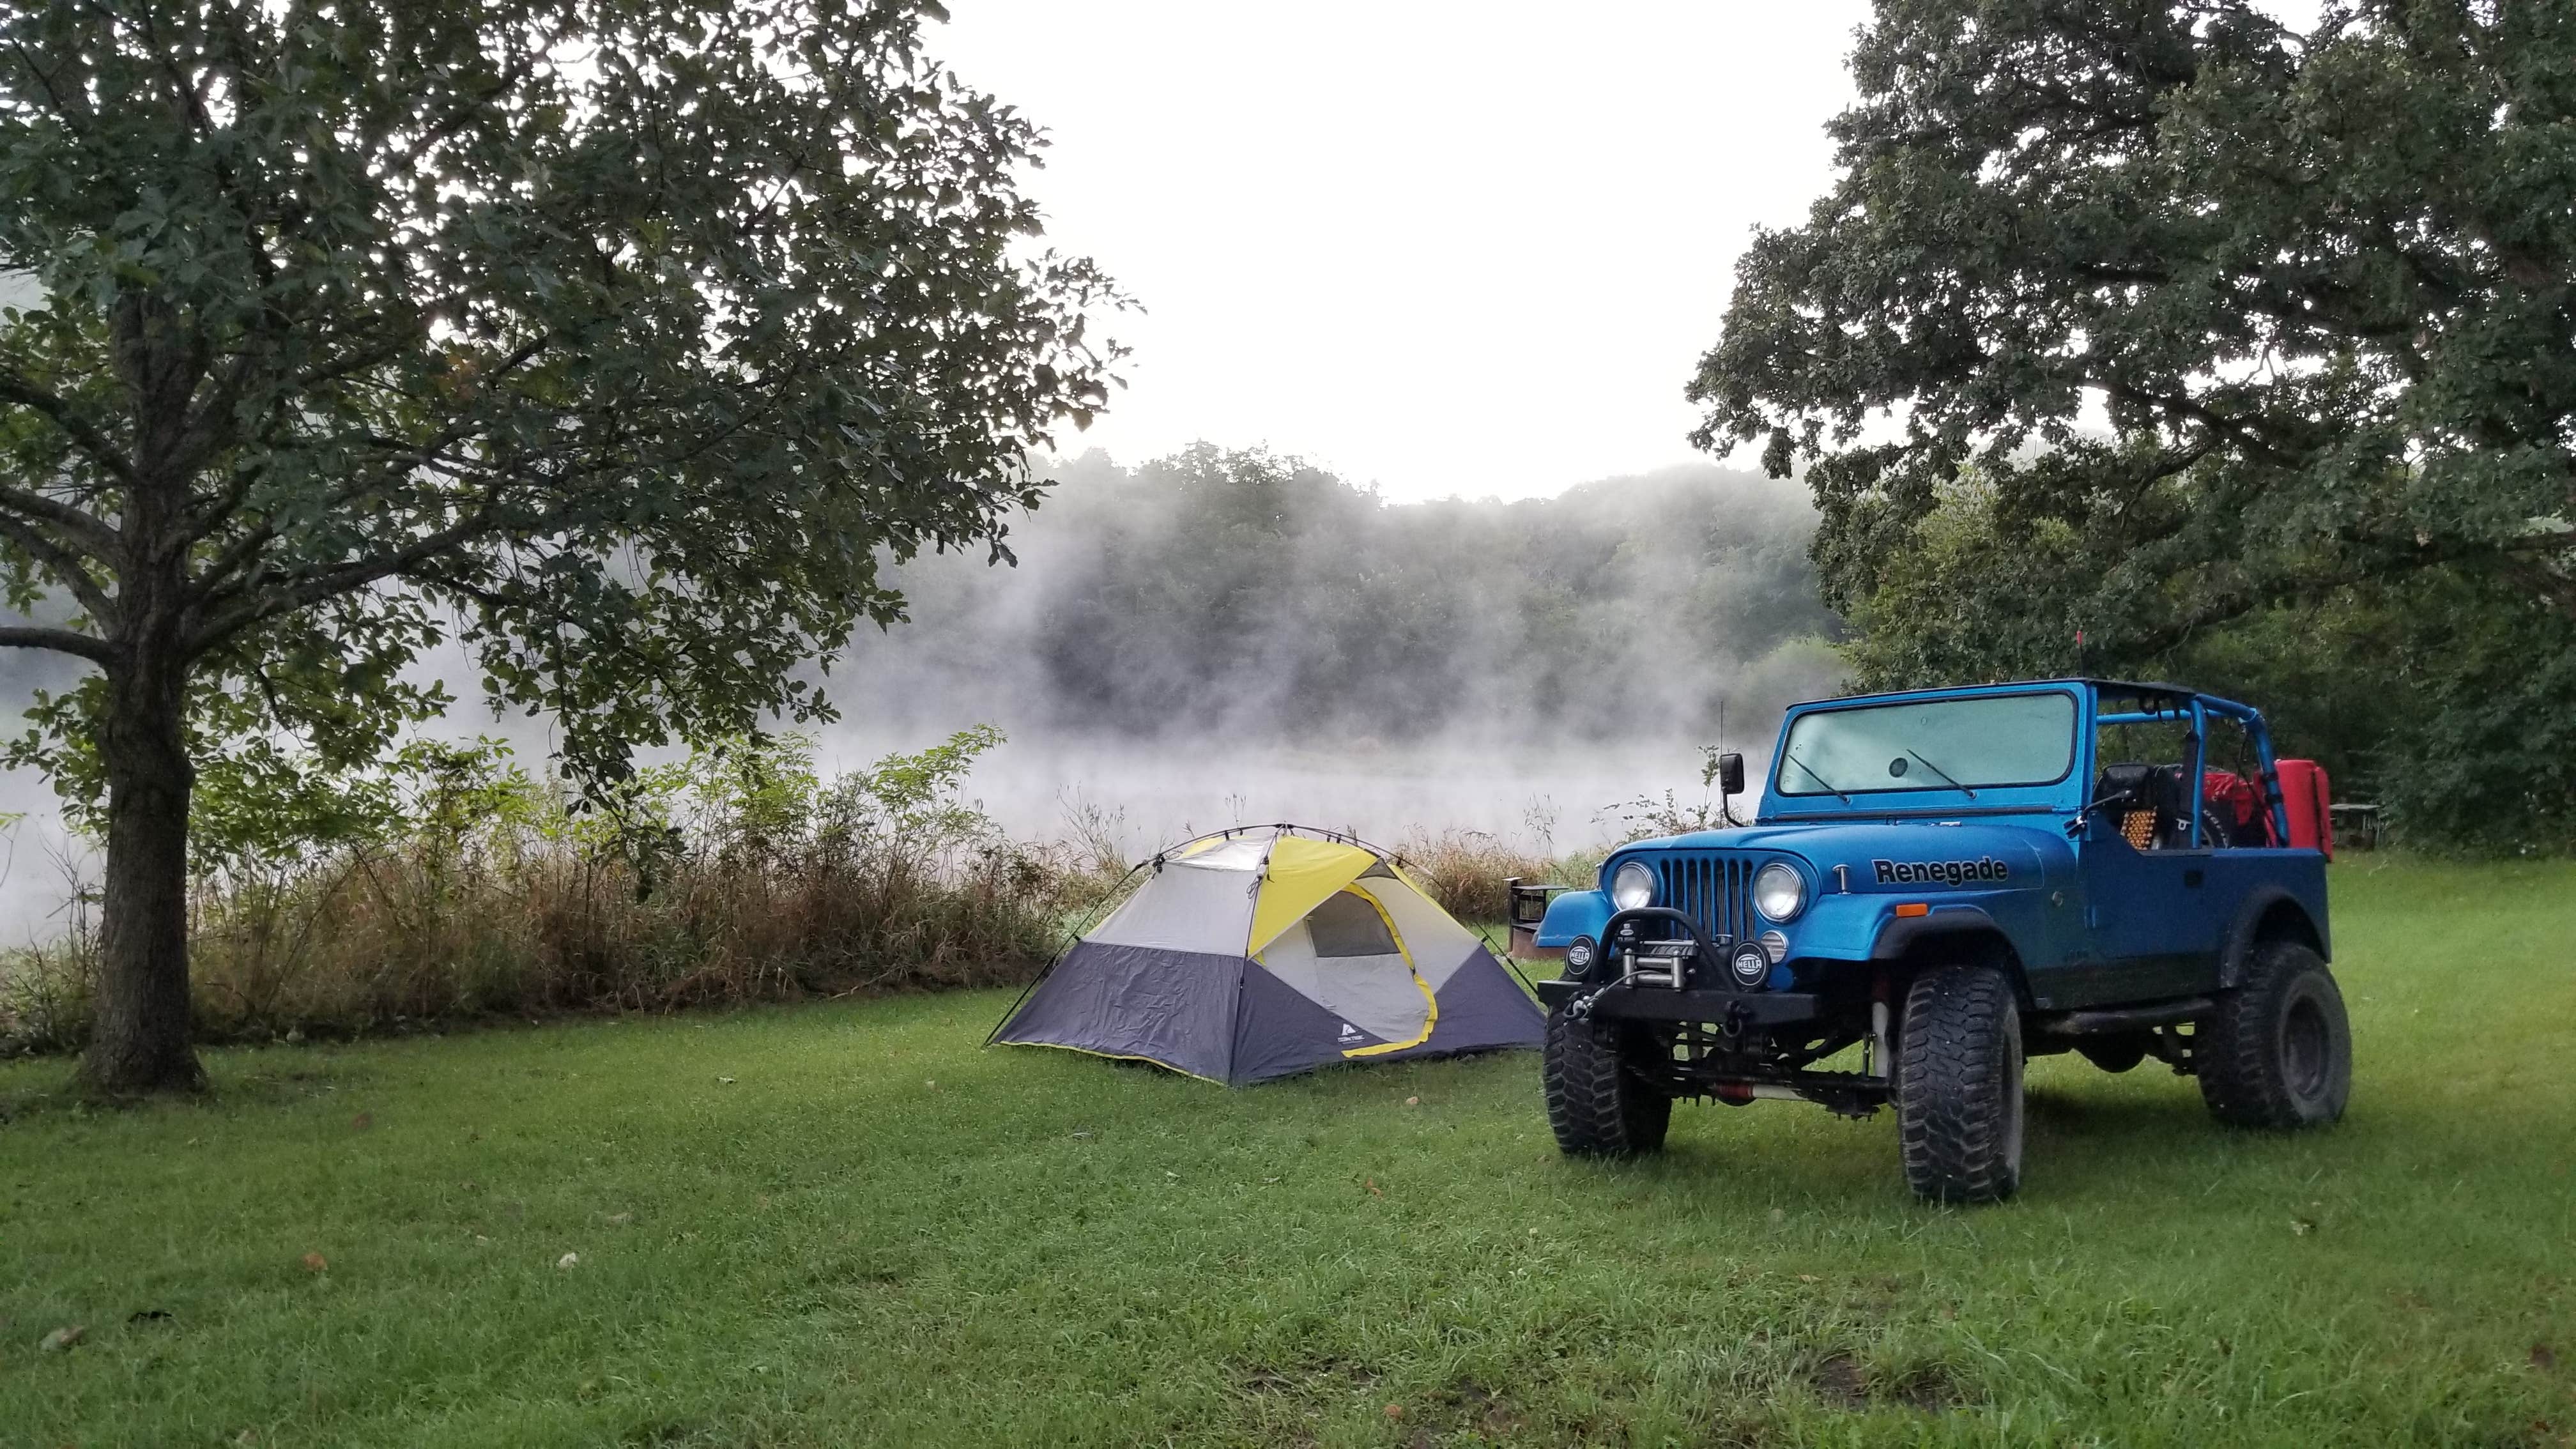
x=1351 y=1033
x=1940 y=872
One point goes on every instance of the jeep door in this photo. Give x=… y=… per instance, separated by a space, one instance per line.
x=2152 y=917
x=2155 y=928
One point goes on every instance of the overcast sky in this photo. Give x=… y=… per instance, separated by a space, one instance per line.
x=1448 y=248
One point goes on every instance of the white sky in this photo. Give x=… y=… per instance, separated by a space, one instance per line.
x=1447 y=248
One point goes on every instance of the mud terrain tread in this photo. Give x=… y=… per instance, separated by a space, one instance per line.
x=1596 y=1107
x=2237 y=1049
x=1958 y=1079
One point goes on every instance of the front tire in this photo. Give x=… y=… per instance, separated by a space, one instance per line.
x=2277 y=1054
x=1596 y=1107
x=1958 y=1086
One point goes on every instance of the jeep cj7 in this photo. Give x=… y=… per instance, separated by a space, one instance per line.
x=1951 y=880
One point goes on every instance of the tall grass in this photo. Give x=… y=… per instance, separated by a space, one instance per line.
x=738 y=875
x=1465 y=870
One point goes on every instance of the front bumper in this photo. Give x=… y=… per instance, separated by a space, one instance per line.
x=1757 y=1009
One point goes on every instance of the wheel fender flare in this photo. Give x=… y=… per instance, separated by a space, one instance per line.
x=1898 y=937
x=1898 y=934
x=2246 y=931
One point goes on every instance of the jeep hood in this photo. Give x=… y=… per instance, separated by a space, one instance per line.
x=2023 y=848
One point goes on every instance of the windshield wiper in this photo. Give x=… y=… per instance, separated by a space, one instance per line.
x=1944 y=774
x=1812 y=775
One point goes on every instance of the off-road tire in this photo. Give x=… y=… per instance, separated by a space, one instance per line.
x=2277 y=1053
x=1958 y=1085
x=1596 y=1107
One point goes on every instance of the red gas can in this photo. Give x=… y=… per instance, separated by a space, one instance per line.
x=2306 y=792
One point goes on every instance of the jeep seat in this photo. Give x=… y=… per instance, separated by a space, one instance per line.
x=2149 y=801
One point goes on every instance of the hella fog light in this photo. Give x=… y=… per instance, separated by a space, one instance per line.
x=1750 y=965
x=1632 y=887
x=1578 y=957
x=1779 y=892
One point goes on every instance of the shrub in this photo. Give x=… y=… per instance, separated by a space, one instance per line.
x=739 y=874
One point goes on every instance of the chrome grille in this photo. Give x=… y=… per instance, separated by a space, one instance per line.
x=1715 y=891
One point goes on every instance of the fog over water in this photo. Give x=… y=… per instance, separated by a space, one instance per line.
x=1218 y=638
x=1223 y=638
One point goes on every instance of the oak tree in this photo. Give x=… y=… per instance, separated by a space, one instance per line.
x=614 y=341
x=2187 y=312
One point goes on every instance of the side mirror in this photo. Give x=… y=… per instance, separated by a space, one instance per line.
x=1730 y=774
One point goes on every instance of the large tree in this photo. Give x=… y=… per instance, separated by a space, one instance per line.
x=2188 y=313
x=614 y=340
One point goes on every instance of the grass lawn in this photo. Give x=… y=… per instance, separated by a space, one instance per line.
x=847 y=1224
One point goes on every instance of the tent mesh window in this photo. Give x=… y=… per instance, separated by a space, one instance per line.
x=1345 y=925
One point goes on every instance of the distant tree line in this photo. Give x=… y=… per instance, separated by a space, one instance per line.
x=1262 y=598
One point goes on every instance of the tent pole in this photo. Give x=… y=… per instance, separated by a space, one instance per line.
x=1503 y=956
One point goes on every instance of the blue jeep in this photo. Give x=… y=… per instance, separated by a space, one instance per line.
x=1950 y=881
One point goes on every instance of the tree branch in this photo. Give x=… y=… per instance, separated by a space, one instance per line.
x=63 y=641
x=455 y=119
x=65 y=566
x=91 y=441
x=421 y=455
x=345 y=578
x=92 y=535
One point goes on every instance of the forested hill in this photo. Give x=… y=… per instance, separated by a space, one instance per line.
x=1261 y=599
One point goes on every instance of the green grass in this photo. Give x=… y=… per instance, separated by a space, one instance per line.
x=847 y=1224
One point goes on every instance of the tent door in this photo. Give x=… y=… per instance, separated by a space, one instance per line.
x=1348 y=957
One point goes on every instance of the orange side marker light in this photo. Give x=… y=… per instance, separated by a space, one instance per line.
x=1914 y=908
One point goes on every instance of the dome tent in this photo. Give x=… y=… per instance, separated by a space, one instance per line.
x=1270 y=951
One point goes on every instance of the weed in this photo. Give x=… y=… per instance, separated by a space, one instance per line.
x=739 y=874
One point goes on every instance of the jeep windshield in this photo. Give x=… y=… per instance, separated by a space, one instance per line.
x=1960 y=745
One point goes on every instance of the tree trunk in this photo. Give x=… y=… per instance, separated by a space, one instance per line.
x=139 y=1034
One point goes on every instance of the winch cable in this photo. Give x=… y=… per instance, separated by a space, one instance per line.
x=1577 y=1008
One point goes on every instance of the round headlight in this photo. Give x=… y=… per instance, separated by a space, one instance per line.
x=1779 y=892
x=1632 y=887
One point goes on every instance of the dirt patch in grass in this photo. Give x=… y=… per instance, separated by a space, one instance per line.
x=1286 y=1406
x=1473 y=1406
x=1841 y=1381
x=1321 y=1377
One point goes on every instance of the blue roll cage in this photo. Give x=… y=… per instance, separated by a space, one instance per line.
x=2198 y=708
x=2185 y=706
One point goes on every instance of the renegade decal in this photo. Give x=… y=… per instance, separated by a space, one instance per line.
x=1940 y=872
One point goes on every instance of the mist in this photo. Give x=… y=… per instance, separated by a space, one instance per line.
x=1219 y=637
x=1225 y=637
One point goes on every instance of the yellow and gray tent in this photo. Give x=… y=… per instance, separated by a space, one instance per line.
x=1264 y=953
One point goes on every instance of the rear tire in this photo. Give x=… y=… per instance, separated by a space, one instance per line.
x=2277 y=1054
x=1596 y=1107
x=1958 y=1087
